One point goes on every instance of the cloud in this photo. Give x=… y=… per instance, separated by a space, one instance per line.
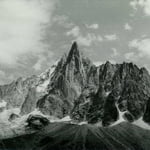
x=2 y=77
x=111 y=37
x=98 y=63
x=84 y=40
x=144 y=4
x=147 y=67
x=38 y=65
x=142 y=46
x=2 y=73
x=42 y=60
x=112 y=61
x=92 y=26
x=21 y=27
x=75 y=31
x=127 y=27
x=115 y=52
x=89 y=39
x=134 y=3
x=131 y=56
x=63 y=21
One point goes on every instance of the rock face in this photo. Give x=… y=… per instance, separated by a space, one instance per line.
x=24 y=92
x=37 y=121
x=123 y=85
x=67 y=82
x=29 y=103
x=76 y=87
x=146 y=116
x=14 y=94
x=13 y=117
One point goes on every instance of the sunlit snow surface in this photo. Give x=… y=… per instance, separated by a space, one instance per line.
x=82 y=123
x=107 y=93
x=141 y=124
x=138 y=122
x=3 y=104
x=42 y=87
x=18 y=126
x=4 y=116
x=46 y=76
x=5 y=126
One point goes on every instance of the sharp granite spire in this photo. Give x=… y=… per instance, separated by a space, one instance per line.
x=80 y=89
x=74 y=52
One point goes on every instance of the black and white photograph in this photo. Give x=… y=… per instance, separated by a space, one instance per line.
x=74 y=74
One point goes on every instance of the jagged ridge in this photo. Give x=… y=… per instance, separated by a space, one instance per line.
x=76 y=87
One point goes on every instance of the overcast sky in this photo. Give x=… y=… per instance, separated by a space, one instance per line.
x=35 y=33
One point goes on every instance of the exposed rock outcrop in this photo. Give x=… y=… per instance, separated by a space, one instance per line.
x=76 y=87
x=37 y=121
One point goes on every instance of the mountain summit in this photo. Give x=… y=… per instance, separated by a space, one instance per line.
x=77 y=88
x=74 y=52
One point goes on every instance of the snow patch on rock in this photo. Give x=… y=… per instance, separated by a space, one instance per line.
x=21 y=121
x=67 y=118
x=120 y=118
x=42 y=87
x=45 y=79
x=107 y=93
x=82 y=123
x=141 y=123
x=4 y=116
x=3 y=104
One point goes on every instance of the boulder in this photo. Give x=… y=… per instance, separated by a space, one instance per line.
x=13 y=117
x=37 y=121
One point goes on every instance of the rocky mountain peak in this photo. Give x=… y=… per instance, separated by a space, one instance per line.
x=74 y=51
x=76 y=87
x=74 y=57
x=71 y=65
x=108 y=63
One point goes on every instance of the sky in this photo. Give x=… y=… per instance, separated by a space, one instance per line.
x=34 y=34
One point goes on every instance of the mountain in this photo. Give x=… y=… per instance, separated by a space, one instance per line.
x=67 y=83
x=75 y=87
x=24 y=92
x=122 y=87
